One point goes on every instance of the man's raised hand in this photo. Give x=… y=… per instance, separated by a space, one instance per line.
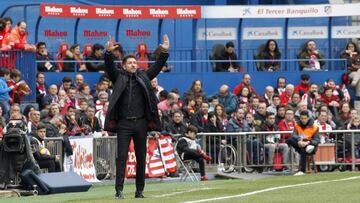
x=110 y=45
x=166 y=44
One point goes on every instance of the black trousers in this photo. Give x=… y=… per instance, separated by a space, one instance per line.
x=192 y=155
x=51 y=164
x=137 y=130
x=292 y=141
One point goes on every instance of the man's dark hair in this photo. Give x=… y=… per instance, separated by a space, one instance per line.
x=213 y=98
x=97 y=47
x=39 y=73
x=177 y=111
x=41 y=126
x=127 y=57
x=8 y=18
x=176 y=91
x=39 y=44
x=304 y=113
x=4 y=71
x=230 y=44
x=82 y=86
x=268 y=114
x=2 y=24
x=191 y=128
x=70 y=107
x=15 y=73
x=163 y=94
x=276 y=95
x=66 y=79
x=21 y=21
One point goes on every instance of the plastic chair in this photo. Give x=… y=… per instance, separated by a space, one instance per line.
x=61 y=55
x=142 y=56
x=185 y=165
x=87 y=50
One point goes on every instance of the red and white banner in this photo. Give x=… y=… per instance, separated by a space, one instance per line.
x=120 y=12
x=83 y=158
x=160 y=158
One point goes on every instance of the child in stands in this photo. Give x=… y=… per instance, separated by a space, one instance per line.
x=188 y=149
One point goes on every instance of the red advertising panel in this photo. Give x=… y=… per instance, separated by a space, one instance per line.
x=123 y=12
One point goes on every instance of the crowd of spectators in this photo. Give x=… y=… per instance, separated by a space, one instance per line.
x=73 y=108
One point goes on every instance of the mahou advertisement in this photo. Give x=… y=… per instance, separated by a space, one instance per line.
x=120 y=12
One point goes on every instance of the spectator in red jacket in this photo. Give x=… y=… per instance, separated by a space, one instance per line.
x=286 y=96
x=3 y=35
x=18 y=38
x=287 y=124
x=332 y=101
x=245 y=83
x=304 y=85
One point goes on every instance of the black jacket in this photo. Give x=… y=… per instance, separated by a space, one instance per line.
x=41 y=66
x=119 y=79
x=95 y=66
x=175 y=128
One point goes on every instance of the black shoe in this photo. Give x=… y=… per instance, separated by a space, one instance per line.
x=119 y=194
x=139 y=194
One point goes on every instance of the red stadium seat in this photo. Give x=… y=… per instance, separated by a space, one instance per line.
x=142 y=56
x=61 y=55
x=87 y=50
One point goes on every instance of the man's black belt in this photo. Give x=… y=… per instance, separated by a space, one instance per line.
x=134 y=118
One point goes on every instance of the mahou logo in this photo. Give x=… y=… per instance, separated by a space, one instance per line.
x=52 y=10
x=78 y=11
x=104 y=12
x=94 y=33
x=185 y=12
x=137 y=33
x=132 y=12
x=55 y=33
x=159 y=12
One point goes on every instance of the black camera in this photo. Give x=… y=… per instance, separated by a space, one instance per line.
x=13 y=141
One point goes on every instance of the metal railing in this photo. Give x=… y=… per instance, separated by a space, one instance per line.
x=340 y=150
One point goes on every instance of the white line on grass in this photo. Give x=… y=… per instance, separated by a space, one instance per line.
x=271 y=189
x=181 y=192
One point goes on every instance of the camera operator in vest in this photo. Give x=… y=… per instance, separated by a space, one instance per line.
x=15 y=153
x=304 y=139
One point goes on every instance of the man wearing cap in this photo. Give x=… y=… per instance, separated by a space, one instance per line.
x=304 y=139
x=304 y=85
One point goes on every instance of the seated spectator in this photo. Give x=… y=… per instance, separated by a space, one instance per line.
x=101 y=114
x=304 y=85
x=286 y=96
x=176 y=124
x=293 y=104
x=303 y=107
x=274 y=104
x=188 y=149
x=66 y=83
x=281 y=84
x=229 y=56
x=62 y=98
x=34 y=120
x=74 y=54
x=200 y=117
x=79 y=80
x=344 y=114
x=41 y=153
x=221 y=115
x=41 y=88
x=91 y=121
x=54 y=110
x=18 y=38
x=311 y=97
x=174 y=107
x=9 y=23
x=351 y=54
x=42 y=54
x=165 y=105
x=195 y=90
x=73 y=126
x=280 y=114
x=4 y=34
x=332 y=101
x=304 y=139
x=227 y=99
x=254 y=104
x=72 y=100
x=267 y=97
x=321 y=123
x=81 y=112
x=213 y=101
x=330 y=83
x=96 y=55
x=246 y=80
x=287 y=124
x=213 y=124
x=84 y=93
x=51 y=97
x=311 y=57
x=156 y=87
x=270 y=52
x=244 y=96
x=260 y=114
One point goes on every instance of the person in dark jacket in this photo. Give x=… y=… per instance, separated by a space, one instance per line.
x=43 y=55
x=132 y=111
x=304 y=139
x=176 y=125
x=188 y=149
x=230 y=56
x=41 y=153
x=96 y=55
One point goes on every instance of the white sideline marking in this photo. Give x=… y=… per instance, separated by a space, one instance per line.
x=181 y=192
x=271 y=189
